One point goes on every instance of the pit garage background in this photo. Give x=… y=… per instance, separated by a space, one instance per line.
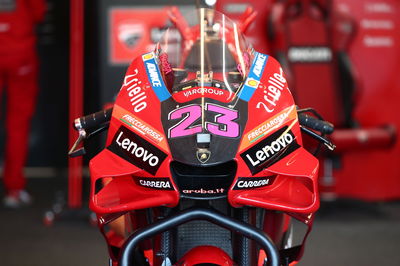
x=358 y=44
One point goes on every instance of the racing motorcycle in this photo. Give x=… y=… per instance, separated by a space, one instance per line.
x=204 y=161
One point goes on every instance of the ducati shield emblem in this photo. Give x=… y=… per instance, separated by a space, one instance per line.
x=203 y=155
x=130 y=34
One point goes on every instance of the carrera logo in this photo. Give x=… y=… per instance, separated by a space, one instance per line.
x=270 y=150
x=310 y=54
x=253 y=182
x=136 y=150
x=160 y=183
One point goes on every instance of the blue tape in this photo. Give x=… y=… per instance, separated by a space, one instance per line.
x=253 y=79
x=155 y=77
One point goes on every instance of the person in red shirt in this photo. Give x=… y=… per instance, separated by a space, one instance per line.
x=19 y=79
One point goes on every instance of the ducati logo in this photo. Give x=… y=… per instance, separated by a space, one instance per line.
x=203 y=155
x=130 y=34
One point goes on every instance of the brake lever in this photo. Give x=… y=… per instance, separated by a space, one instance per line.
x=97 y=131
x=74 y=152
x=326 y=142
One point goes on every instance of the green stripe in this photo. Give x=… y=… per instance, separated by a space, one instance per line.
x=126 y=122
x=257 y=138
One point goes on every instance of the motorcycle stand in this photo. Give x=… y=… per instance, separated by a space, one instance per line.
x=61 y=211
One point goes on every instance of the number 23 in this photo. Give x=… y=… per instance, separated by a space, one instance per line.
x=223 y=125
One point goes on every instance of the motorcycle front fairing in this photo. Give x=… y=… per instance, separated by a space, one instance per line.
x=271 y=147
x=133 y=171
x=204 y=117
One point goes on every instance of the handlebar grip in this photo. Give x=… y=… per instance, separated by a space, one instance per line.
x=93 y=120
x=316 y=124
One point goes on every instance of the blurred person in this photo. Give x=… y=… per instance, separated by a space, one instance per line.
x=19 y=79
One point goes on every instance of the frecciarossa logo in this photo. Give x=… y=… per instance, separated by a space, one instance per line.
x=137 y=150
x=270 y=150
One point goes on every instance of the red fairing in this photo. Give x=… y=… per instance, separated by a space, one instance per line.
x=290 y=184
x=212 y=126
x=129 y=187
x=137 y=98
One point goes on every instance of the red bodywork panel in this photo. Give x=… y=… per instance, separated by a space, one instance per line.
x=295 y=187
x=122 y=193
x=271 y=108
x=135 y=170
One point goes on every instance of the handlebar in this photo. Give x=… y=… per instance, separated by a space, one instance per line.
x=93 y=120
x=100 y=118
x=315 y=124
x=97 y=121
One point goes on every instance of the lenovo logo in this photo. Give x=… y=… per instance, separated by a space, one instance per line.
x=270 y=150
x=137 y=150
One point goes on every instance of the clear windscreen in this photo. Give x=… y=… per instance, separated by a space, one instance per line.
x=208 y=51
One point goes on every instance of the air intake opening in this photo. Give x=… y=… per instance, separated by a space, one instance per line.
x=203 y=182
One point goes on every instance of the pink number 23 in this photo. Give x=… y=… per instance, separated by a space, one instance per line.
x=223 y=124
